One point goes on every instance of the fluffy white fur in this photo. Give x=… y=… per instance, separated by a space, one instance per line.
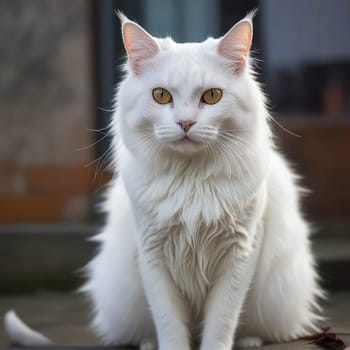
x=204 y=241
x=194 y=222
x=21 y=334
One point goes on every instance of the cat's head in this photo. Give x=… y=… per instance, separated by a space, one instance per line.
x=188 y=98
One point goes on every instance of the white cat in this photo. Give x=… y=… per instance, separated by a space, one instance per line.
x=204 y=242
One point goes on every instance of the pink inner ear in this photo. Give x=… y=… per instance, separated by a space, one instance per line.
x=139 y=45
x=236 y=43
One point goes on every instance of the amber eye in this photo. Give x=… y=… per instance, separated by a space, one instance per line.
x=161 y=95
x=212 y=96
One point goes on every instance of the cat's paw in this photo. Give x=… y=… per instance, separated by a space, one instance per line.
x=148 y=344
x=249 y=342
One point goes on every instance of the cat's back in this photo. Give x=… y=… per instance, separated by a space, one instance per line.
x=282 y=182
x=283 y=209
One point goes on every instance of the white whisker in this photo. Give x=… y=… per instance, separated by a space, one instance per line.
x=92 y=145
x=106 y=110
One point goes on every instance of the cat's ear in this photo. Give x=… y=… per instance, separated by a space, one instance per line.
x=235 y=44
x=139 y=45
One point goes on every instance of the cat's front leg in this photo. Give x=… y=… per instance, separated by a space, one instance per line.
x=167 y=306
x=225 y=300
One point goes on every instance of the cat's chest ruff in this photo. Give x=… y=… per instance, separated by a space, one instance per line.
x=190 y=200
x=194 y=225
x=194 y=255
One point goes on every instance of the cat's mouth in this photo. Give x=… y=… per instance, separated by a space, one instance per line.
x=193 y=141
x=189 y=139
x=186 y=139
x=187 y=145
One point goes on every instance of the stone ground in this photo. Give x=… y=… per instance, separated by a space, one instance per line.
x=64 y=318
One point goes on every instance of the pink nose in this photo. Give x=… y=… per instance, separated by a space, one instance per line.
x=186 y=124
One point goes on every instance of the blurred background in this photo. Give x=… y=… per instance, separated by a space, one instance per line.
x=58 y=71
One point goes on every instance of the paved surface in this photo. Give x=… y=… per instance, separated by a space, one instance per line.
x=64 y=319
